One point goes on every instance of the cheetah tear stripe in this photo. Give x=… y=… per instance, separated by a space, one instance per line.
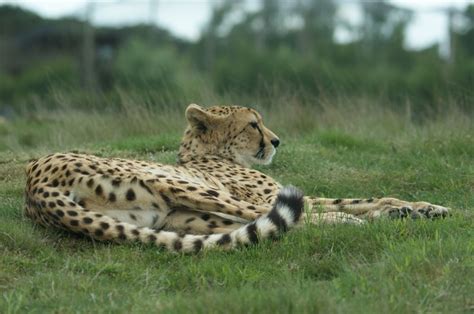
x=285 y=213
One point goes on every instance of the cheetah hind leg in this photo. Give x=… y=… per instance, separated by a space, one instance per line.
x=331 y=218
x=66 y=214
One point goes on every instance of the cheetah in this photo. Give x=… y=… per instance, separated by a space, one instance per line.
x=211 y=198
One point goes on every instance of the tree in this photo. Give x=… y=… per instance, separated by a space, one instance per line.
x=383 y=29
x=319 y=24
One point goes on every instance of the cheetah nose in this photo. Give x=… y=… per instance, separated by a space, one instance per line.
x=275 y=142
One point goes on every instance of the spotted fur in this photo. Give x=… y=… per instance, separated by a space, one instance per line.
x=211 y=198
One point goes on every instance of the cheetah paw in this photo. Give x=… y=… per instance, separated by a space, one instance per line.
x=421 y=211
x=430 y=211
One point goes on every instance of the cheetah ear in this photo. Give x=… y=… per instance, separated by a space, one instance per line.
x=199 y=118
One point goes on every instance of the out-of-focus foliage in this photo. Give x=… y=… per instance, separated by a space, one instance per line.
x=144 y=66
x=284 y=45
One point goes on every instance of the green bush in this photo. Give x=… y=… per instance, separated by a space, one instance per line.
x=149 y=67
x=39 y=79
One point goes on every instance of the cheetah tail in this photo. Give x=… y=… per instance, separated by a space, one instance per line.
x=285 y=214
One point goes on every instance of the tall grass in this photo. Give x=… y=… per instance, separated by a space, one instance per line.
x=133 y=115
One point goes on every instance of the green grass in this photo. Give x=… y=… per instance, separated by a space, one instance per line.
x=389 y=266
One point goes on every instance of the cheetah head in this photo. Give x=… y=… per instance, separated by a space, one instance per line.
x=235 y=133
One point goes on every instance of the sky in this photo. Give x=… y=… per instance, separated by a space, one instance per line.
x=186 y=18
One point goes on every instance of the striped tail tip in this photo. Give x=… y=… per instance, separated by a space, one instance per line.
x=288 y=208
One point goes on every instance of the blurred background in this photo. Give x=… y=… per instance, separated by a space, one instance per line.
x=412 y=57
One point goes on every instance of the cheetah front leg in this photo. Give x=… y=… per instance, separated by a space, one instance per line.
x=374 y=208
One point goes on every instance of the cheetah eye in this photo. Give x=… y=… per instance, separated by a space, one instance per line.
x=254 y=125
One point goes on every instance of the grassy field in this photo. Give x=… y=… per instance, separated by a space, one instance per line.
x=357 y=151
